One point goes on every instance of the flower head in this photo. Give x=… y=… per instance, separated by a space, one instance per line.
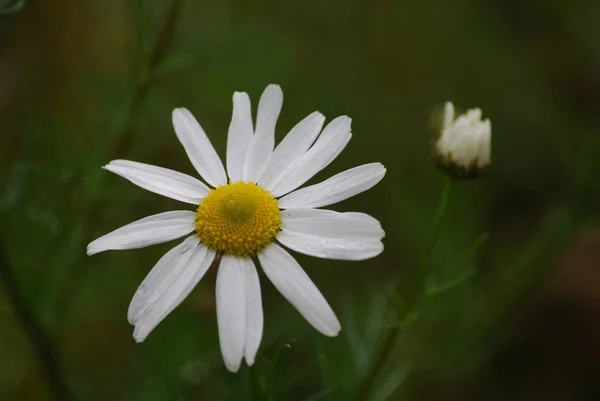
x=248 y=212
x=464 y=146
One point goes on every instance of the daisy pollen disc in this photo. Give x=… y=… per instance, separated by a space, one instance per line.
x=238 y=219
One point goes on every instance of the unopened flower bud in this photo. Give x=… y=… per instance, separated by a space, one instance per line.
x=464 y=146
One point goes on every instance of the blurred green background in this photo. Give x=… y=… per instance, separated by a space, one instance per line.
x=85 y=82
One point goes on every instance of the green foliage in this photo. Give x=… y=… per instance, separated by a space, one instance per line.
x=83 y=83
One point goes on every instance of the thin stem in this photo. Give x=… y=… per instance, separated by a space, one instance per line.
x=144 y=79
x=125 y=131
x=410 y=315
x=42 y=346
x=434 y=232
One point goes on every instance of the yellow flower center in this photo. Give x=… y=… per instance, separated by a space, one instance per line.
x=238 y=219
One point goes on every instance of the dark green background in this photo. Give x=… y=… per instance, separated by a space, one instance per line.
x=77 y=90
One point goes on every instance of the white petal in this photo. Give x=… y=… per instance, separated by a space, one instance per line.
x=239 y=135
x=354 y=248
x=485 y=148
x=295 y=285
x=183 y=278
x=148 y=231
x=156 y=281
x=294 y=145
x=330 y=144
x=254 y=312
x=448 y=115
x=335 y=189
x=474 y=115
x=231 y=311
x=261 y=146
x=330 y=224
x=198 y=148
x=169 y=183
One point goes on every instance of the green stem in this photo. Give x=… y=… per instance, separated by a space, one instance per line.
x=144 y=79
x=390 y=339
x=436 y=226
x=42 y=346
x=123 y=144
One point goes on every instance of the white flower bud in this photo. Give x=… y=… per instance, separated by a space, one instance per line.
x=464 y=147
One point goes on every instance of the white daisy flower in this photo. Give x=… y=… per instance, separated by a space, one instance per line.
x=464 y=146
x=250 y=215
